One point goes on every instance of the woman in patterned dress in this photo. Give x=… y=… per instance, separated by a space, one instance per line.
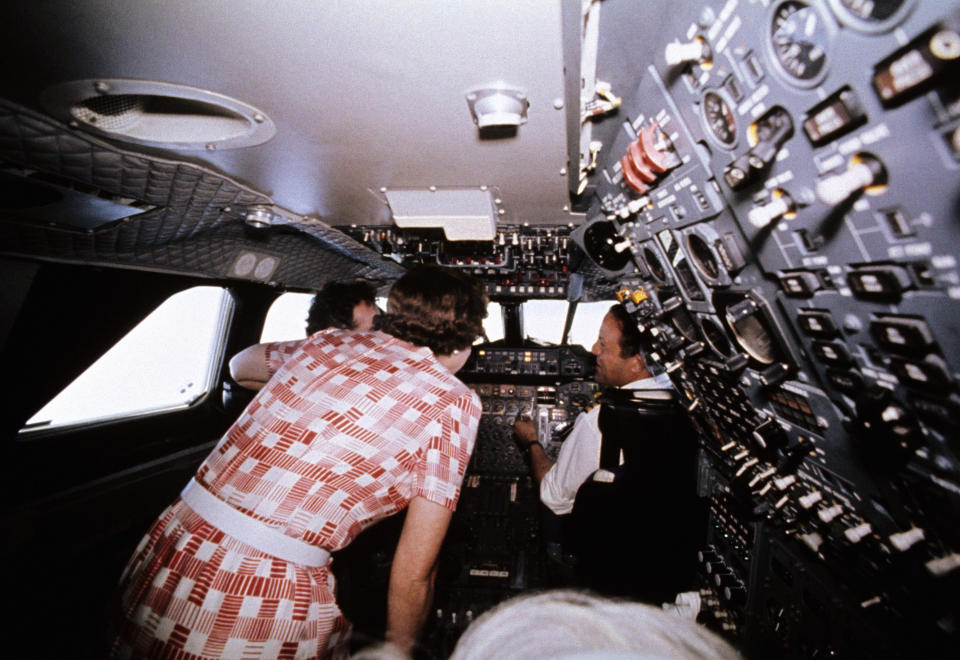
x=350 y=427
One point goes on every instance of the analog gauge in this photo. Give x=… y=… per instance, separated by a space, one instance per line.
x=798 y=39
x=702 y=257
x=716 y=337
x=606 y=247
x=719 y=119
x=871 y=15
x=653 y=263
x=753 y=337
x=682 y=321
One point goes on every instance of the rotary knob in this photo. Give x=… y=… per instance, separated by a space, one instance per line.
x=725 y=579
x=708 y=555
x=735 y=595
x=714 y=567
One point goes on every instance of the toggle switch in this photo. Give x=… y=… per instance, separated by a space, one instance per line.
x=767 y=135
x=863 y=173
x=697 y=50
x=812 y=540
x=829 y=513
x=811 y=498
x=856 y=533
x=781 y=205
x=903 y=541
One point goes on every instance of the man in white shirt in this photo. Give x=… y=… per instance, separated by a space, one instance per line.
x=633 y=531
x=620 y=363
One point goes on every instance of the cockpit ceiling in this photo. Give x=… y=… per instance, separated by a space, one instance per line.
x=366 y=98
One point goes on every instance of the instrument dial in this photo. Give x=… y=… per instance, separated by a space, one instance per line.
x=871 y=15
x=799 y=38
x=719 y=119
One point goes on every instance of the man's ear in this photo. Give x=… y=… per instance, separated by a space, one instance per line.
x=638 y=368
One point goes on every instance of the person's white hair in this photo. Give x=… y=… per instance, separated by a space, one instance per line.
x=382 y=651
x=571 y=624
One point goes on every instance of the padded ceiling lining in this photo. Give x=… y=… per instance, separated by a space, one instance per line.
x=188 y=232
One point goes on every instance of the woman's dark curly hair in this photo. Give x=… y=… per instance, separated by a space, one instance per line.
x=333 y=306
x=440 y=308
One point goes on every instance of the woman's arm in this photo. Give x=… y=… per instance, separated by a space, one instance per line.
x=249 y=367
x=414 y=569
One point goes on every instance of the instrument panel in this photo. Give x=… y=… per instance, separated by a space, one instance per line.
x=795 y=272
x=502 y=542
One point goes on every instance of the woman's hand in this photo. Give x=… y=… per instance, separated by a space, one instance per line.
x=413 y=571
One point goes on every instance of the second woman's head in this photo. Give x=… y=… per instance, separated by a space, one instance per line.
x=440 y=308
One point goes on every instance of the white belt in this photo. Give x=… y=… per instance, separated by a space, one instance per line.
x=249 y=530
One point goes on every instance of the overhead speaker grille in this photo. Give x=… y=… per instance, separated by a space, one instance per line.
x=158 y=114
x=110 y=113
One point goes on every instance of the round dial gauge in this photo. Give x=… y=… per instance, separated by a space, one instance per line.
x=653 y=263
x=719 y=119
x=752 y=336
x=871 y=15
x=798 y=39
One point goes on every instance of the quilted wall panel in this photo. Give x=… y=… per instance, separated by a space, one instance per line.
x=188 y=231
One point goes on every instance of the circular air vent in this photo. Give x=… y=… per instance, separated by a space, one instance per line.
x=158 y=114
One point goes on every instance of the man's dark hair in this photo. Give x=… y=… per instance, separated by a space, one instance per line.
x=333 y=306
x=440 y=308
x=631 y=342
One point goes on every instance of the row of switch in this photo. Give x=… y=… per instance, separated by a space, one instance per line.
x=727 y=584
x=908 y=338
x=874 y=282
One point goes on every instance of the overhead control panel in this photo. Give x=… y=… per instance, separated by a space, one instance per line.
x=519 y=263
x=785 y=178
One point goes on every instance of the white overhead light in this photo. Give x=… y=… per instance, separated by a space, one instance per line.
x=498 y=106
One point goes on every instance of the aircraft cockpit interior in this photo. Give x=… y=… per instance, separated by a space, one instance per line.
x=769 y=190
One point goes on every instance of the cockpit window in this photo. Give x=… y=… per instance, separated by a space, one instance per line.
x=493 y=324
x=586 y=322
x=287 y=318
x=156 y=366
x=543 y=321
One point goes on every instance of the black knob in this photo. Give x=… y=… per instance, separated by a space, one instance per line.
x=715 y=567
x=708 y=554
x=769 y=436
x=725 y=579
x=735 y=595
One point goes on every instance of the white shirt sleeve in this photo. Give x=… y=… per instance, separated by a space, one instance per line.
x=579 y=458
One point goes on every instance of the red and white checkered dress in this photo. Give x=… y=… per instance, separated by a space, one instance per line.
x=349 y=429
